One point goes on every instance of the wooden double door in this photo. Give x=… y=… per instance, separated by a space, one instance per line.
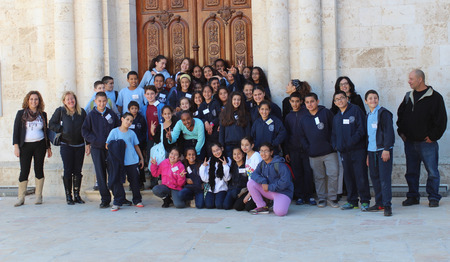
x=203 y=30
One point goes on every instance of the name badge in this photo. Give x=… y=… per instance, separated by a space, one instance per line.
x=108 y=117
x=206 y=111
x=374 y=125
x=317 y=120
x=132 y=126
x=174 y=169
x=269 y=121
x=345 y=121
x=195 y=113
x=156 y=103
x=236 y=117
x=189 y=169
x=162 y=95
x=242 y=170
x=135 y=96
x=188 y=95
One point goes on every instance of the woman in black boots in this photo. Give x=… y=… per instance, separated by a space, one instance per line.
x=68 y=120
x=31 y=142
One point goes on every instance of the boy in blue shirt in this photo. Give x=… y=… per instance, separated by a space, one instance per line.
x=99 y=86
x=131 y=93
x=132 y=162
x=381 y=140
x=96 y=127
x=109 y=88
x=349 y=138
x=139 y=126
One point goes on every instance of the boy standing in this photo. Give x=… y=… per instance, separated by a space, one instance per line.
x=162 y=93
x=109 y=88
x=381 y=140
x=96 y=127
x=296 y=156
x=315 y=135
x=139 y=126
x=132 y=162
x=131 y=93
x=110 y=103
x=348 y=137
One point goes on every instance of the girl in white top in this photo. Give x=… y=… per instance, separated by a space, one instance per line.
x=252 y=159
x=216 y=173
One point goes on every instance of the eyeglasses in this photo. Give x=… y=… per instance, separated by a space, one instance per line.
x=343 y=84
x=339 y=99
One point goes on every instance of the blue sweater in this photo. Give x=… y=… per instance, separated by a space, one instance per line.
x=233 y=134
x=275 y=111
x=268 y=131
x=148 y=78
x=280 y=182
x=315 y=132
x=349 y=129
x=292 y=124
x=96 y=127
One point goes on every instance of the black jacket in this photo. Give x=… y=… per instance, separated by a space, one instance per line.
x=71 y=126
x=116 y=162
x=427 y=117
x=315 y=132
x=20 y=129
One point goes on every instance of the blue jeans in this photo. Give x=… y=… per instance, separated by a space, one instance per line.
x=381 y=175
x=189 y=194
x=355 y=176
x=164 y=191
x=428 y=153
x=73 y=158
x=231 y=197
x=215 y=199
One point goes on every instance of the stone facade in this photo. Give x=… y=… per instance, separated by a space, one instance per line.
x=60 y=45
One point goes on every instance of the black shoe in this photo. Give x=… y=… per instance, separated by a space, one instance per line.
x=375 y=208
x=127 y=203
x=104 y=205
x=411 y=201
x=433 y=203
x=387 y=211
x=167 y=202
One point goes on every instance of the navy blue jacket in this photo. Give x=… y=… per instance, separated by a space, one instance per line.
x=116 y=162
x=280 y=182
x=275 y=111
x=195 y=177
x=292 y=124
x=96 y=127
x=175 y=97
x=233 y=134
x=316 y=138
x=385 y=130
x=214 y=108
x=238 y=180
x=274 y=133
x=349 y=130
x=160 y=97
x=140 y=128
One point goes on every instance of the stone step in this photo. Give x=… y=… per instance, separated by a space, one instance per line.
x=94 y=195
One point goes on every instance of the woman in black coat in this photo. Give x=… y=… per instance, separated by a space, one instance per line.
x=343 y=83
x=68 y=120
x=31 y=142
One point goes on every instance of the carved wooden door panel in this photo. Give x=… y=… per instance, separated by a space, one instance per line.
x=203 y=30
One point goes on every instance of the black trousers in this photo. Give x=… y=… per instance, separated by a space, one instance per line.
x=29 y=151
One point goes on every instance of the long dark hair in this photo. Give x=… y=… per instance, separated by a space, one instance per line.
x=191 y=86
x=214 y=71
x=186 y=162
x=212 y=168
x=302 y=87
x=266 y=98
x=262 y=77
x=191 y=65
x=227 y=115
x=338 y=81
x=157 y=59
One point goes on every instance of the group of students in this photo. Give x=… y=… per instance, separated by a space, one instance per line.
x=214 y=136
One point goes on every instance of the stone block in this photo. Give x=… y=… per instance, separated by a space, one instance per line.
x=444 y=51
x=27 y=34
x=401 y=56
x=398 y=15
x=436 y=34
x=388 y=36
x=369 y=16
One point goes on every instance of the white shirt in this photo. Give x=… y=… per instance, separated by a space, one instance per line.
x=251 y=163
x=221 y=184
x=35 y=130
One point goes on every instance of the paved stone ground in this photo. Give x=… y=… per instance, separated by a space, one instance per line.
x=55 y=231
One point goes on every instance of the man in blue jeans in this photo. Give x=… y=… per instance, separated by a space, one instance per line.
x=422 y=120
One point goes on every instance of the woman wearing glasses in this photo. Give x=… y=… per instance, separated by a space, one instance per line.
x=343 y=83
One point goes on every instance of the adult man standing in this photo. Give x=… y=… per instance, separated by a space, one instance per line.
x=422 y=120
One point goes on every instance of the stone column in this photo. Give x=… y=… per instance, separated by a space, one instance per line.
x=89 y=46
x=306 y=43
x=64 y=33
x=277 y=30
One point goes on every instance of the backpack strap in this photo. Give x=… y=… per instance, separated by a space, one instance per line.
x=116 y=93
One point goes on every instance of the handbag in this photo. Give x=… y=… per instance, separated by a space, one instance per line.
x=55 y=138
x=158 y=152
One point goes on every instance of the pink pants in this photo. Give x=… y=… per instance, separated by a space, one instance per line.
x=281 y=202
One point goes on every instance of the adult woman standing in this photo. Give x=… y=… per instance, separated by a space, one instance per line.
x=294 y=85
x=31 y=142
x=68 y=120
x=157 y=66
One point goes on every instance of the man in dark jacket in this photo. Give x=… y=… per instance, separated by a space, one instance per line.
x=422 y=120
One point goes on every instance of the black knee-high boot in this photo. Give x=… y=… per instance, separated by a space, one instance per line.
x=68 y=189
x=76 y=189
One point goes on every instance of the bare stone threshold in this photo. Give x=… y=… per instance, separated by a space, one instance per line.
x=7 y=191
